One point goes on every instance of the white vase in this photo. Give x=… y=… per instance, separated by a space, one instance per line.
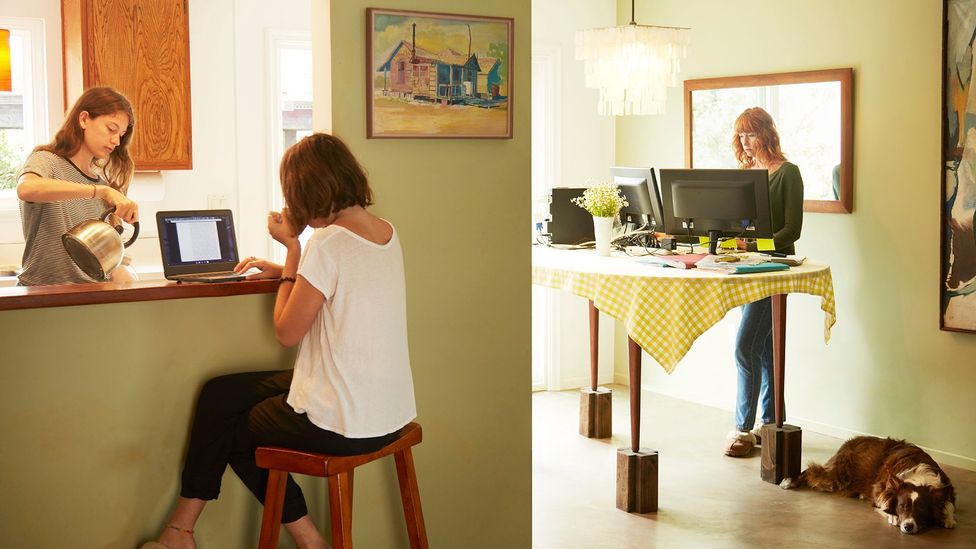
x=602 y=227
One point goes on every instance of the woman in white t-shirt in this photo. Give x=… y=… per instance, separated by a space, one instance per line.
x=344 y=302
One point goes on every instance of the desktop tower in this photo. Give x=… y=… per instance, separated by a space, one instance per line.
x=568 y=223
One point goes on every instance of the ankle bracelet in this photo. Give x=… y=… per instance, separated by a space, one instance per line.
x=177 y=528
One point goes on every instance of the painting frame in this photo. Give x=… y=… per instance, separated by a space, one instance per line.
x=431 y=82
x=957 y=200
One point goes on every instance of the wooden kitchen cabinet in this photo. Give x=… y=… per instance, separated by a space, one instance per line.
x=142 y=49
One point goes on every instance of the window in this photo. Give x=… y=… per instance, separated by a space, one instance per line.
x=291 y=106
x=23 y=116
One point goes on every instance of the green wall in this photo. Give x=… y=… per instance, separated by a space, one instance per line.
x=462 y=209
x=96 y=403
x=888 y=370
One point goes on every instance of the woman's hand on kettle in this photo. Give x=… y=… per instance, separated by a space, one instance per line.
x=124 y=208
x=267 y=268
x=282 y=229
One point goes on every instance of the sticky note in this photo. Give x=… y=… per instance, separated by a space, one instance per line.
x=765 y=244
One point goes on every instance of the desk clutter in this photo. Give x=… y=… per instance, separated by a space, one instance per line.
x=730 y=262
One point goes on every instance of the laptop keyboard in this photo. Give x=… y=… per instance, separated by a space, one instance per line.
x=210 y=275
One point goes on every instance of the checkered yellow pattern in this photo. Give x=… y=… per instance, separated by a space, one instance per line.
x=664 y=309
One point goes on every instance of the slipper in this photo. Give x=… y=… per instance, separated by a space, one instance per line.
x=740 y=443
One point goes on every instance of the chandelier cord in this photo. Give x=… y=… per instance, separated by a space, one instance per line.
x=632 y=20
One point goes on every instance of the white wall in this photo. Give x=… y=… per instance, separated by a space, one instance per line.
x=584 y=152
x=228 y=96
x=888 y=369
x=49 y=11
x=256 y=169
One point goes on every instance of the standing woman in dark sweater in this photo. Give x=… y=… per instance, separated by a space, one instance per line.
x=756 y=146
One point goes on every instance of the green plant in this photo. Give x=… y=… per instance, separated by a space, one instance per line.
x=601 y=200
x=10 y=163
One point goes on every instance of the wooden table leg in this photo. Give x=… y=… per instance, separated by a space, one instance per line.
x=596 y=403
x=636 y=467
x=594 y=344
x=781 y=443
x=634 y=365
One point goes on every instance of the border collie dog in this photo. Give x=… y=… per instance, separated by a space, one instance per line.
x=903 y=482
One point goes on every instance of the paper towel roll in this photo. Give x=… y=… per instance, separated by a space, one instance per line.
x=147 y=187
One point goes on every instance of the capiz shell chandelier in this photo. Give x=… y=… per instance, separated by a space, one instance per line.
x=632 y=65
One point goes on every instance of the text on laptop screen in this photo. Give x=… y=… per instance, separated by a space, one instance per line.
x=196 y=240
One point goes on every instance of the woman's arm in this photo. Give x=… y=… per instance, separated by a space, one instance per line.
x=33 y=188
x=298 y=301
x=297 y=304
x=792 y=210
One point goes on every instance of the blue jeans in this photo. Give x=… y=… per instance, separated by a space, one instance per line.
x=754 y=362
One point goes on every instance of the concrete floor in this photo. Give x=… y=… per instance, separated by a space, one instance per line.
x=705 y=499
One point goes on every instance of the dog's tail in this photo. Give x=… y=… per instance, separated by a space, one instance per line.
x=814 y=476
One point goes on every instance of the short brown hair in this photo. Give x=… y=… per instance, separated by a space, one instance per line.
x=756 y=120
x=320 y=176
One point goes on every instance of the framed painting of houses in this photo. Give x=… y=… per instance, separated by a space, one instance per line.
x=958 y=198
x=438 y=75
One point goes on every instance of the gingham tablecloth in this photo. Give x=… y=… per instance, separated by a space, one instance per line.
x=666 y=309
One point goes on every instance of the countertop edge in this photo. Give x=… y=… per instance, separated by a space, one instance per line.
x=36 y=297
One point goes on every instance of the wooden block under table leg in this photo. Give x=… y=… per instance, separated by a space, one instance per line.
x=637 y=480
x=781 y=447
x=595 y=413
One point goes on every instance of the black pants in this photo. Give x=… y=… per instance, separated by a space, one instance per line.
x=237 y=413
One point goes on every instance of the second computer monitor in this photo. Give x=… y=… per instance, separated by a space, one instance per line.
x=716 y=203
x=639 y=187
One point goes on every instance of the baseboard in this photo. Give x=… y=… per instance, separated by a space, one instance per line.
x=944 y=458
x=578 y=382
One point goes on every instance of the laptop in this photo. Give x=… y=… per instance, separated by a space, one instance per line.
x=569 y=225
x=198 y=245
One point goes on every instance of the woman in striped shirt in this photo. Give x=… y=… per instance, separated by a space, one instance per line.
x=76 y=177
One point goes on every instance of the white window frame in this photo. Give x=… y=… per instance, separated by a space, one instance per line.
x=276 y=41
x=546 y=63
x=35 y=107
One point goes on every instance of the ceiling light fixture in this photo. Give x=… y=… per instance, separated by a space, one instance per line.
x=632 y=65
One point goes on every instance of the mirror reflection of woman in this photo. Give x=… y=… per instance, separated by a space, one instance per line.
x=756 y=146
x=75 y=178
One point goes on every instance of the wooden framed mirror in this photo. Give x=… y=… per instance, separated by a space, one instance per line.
x=812 y=110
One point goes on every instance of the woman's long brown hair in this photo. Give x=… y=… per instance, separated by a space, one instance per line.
x=118 y=167
x=320 y=176
x=759 y=122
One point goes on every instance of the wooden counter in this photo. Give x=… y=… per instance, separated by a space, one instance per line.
x=34 y=297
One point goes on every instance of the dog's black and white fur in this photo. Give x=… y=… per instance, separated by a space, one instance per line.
x=903 y=482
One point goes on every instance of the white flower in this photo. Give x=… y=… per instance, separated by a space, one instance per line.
x=601 y=200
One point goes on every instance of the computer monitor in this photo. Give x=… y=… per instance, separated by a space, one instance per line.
x=639 y=187
x=716 y=203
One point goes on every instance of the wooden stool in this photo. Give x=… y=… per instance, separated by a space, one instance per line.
x=339 y=471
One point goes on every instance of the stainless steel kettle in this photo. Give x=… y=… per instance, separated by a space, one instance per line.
x=96 y=246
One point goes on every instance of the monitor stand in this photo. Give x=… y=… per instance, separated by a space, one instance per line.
x=713 y=242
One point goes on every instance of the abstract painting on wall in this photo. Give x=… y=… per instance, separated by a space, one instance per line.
x=438 y=75
x=958 y=199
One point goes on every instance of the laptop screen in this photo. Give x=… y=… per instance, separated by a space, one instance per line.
x=197 y=241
